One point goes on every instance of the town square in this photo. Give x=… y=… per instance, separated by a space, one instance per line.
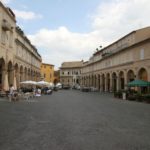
x=74 y=75
x=71 y=119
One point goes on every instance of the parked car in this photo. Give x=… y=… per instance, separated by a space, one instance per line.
x=59 y=86
x=66 y=86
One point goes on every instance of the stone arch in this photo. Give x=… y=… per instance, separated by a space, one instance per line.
x=92 y=80
x=103 y=82
x=2 y=72
x=25 y=73
x=143 y=74
x=86 y=81
x=29 y=74
x=114 y=81
x=21 y=73
x=95 y=81
x=16 y=67
x=35 y=75
x=98 y=76
x=121 y=80
x=108 y=81
x=130 y=75
x=10 y=73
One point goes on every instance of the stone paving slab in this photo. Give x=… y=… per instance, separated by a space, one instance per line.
x=74 y=120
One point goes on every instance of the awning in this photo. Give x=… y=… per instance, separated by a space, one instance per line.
x=138 y=83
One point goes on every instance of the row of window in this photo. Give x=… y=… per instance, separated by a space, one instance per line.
x=25 y=55
x=49 y=75
x=46 y=66
x=116 y=60
x=71 y=73
x=70 y=80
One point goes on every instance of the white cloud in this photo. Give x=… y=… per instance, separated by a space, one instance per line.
x=62 y=45
x=117 y=18
x=110 y=21
x=5 y=1
x=27 y=15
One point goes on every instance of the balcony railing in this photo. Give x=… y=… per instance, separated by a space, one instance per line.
x=6 y=25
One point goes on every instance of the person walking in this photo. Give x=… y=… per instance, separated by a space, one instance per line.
x=11 y=92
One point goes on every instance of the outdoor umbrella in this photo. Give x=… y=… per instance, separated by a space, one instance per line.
x=29 y=82
x=51 y=84
x=58 y=84
x=138 y=83
x=42 y=83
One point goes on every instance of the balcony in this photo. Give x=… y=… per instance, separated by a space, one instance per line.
x=6 y=25
x=106 y=54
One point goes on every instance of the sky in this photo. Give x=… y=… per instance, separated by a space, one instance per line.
x=71 y=30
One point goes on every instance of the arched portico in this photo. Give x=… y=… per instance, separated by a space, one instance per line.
x=121 y=81
x=10 y=70
x=143 y=74
x=103 y=82
x=25 y=74
x=21 y=74
x=114 y=82
x=17 y=74
x=130 y=75
x=2 y=73
x=108 y=82
x=98 y=81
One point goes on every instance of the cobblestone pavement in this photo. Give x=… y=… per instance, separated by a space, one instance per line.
x=74 y=120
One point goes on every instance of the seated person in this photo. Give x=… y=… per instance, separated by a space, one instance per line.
x=38 y=93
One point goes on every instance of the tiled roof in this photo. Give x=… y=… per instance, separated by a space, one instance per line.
x=72 y=64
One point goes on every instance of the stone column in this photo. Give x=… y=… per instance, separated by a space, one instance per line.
x=90 y=81
x=17 y=75
x=21 y=76
x=11 y=75
x=117 y=80
x=106 y=86
x=4 y=76
x=97 y=80
x=111 y=83
x=101 y=83
x=125 y=81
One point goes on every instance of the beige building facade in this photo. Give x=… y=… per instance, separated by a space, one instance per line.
x=111 y=68
x=47 y=72
x=70 y=73
x=19 y=59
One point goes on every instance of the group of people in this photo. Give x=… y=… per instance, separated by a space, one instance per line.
x=13 y=94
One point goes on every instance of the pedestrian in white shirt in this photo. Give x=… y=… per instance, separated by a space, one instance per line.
x=11 y=92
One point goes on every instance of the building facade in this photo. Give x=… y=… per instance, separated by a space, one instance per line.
x=56 y=76
x=111 y=68
x=19 y=59
x=70 y=73
x=47 y=72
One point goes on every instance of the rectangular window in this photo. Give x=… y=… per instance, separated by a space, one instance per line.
x=3 y=36
x=141 y=54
